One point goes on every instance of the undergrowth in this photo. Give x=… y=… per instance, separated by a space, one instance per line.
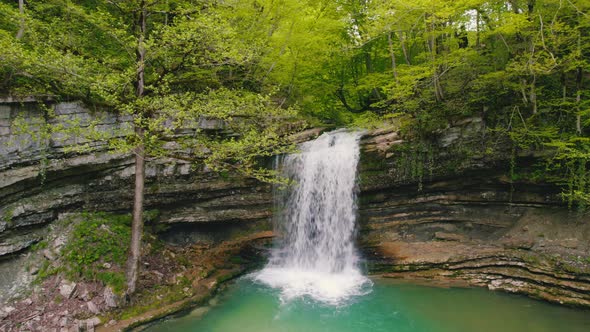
x=97 y=249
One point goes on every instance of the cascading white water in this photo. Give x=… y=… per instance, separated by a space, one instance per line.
x=315 y=255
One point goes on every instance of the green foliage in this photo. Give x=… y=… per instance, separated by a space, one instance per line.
x=569 y=166
x=254 y=66
x=518 y=64
x=98 y=238
x=7 y=216
x=566 y=157
x=199 y=61
x=46 y=270
x=39 y=245
x=114 y=279
x=415 y=162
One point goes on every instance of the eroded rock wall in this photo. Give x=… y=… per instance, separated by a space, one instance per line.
x=450 y=212
x=40 y=179
x=445 y=209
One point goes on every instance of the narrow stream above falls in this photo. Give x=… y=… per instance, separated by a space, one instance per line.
x=313 y=282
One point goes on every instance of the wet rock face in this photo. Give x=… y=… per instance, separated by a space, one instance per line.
x=35 y=194
x=445 y=210
x=462 y=219
x=39 y=181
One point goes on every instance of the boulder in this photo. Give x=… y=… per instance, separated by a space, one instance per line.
x=91 y=323
x=66 y=289
x=92 y=307
x=3 y=314
x=110 y=298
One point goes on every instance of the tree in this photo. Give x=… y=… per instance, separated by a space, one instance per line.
x=167 y=65
x=496 y=59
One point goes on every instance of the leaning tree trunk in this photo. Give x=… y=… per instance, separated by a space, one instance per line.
x=21 y=10
x=137 y=218
x=403 y=46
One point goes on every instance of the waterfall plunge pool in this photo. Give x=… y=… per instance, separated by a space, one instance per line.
x=248 y=306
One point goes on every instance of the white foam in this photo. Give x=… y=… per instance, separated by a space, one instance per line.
x=329 y=288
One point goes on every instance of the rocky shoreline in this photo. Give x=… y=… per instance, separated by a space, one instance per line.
x=172 y=280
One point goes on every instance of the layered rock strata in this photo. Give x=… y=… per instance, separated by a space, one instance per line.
x=456 y=216
x=442 y=209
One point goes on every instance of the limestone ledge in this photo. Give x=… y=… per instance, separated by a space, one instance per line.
x=463 y=221
x=32 y=198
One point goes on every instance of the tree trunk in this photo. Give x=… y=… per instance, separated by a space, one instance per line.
x=531 y=45
x=563 y=88
x=579 y=75
x=431 y=43
x=21 y=9
x=393 y=64
x=531 y=7
x=402 y=41
x=477 y=22
x=137 y=217
x=523 y=85
x=533 y=95
x=368 y=62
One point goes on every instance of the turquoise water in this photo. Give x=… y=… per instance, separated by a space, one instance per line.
x=391 y=306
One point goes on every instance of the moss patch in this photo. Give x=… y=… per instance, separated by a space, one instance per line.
x=97 y=249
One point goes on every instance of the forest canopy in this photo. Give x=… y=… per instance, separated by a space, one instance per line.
x=521 y=65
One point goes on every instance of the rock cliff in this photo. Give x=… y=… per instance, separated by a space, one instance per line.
x=445 y=209
x=41 y=181
x=450 y=212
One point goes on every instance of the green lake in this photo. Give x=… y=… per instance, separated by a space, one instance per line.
x=391 y=306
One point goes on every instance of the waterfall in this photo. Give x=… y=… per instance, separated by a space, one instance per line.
x=314 y=254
